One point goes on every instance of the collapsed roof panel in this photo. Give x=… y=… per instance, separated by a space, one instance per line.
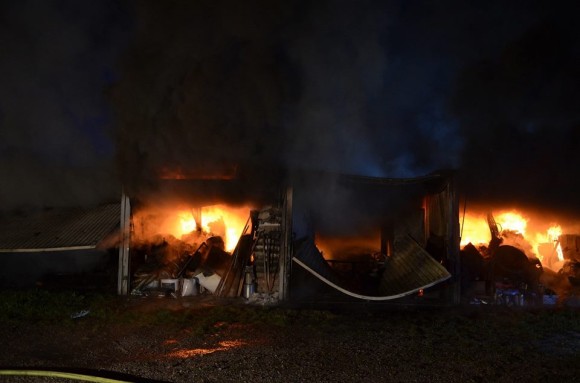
x=409 y=270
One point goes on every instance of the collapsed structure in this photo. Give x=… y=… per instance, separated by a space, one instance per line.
x=307 y=237
x=317 y=237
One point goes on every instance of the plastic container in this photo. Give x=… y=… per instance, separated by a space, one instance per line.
x=210 y=282
x=189 y=287
x=170 y=284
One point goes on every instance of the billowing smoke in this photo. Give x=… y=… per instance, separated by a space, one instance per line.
x=55 y=131
x=521 y=118
x=341 y=64
x=202 y=90
x=208 y=86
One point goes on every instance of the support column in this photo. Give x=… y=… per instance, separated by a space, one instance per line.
x=286 y=245
x=125 y=229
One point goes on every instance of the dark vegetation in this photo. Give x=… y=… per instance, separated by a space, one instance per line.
x=145 y=337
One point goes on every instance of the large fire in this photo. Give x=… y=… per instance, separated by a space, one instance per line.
x=536 y=239
x=221 y=220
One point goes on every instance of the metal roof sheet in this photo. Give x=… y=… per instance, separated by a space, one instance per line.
x=410 y=270
x=59 y=229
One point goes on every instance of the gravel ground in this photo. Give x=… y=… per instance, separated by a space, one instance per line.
x=256 y=344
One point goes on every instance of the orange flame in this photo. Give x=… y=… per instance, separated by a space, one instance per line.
x=225 y=221
x=188 y=223
x=513 y=221
x=560 y=252
x=535 y=237
x=220 y=220
x=476 y=230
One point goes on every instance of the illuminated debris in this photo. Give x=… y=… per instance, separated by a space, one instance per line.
x=409 y=270
x=80 y=314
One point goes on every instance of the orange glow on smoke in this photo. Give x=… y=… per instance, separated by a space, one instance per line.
x=344 y=247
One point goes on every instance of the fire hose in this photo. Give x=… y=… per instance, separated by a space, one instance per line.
x=59 y=374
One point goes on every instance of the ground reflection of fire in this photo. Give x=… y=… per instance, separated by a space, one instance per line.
x=190 y=353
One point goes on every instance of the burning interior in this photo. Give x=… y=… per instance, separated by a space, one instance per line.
x=204 y=236
x=320 y=237
x=519 y=256
x=376 y=239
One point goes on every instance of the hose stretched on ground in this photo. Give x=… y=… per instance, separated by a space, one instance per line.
x=59 y=374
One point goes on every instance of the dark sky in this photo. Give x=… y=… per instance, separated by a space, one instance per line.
x=100 y=93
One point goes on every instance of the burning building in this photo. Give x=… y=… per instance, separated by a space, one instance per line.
x=314 y=237
x=292 y=88
x=518 y=256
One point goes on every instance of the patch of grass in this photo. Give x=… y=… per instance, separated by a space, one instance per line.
x=39 y=306
x=467 y=327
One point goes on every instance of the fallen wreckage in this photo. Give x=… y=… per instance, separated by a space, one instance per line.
x=296 y=249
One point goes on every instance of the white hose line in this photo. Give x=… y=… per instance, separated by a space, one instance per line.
x=365 y=297
x=59 y=374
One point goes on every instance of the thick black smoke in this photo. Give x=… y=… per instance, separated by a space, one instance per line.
x=206 y=87
x=520 y=114
x=202 y=90
x=55 y=131
x=299 y=85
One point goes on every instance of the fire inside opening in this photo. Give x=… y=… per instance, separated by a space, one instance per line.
x=337 y=238
x=178 y=250
x=192 y=244
x=519 y=257
x=359 y=238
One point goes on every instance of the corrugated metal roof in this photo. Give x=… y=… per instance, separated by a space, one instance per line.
x=410 y=269
x=59 y=229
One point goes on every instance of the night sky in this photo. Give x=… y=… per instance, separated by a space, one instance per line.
x=103 y=93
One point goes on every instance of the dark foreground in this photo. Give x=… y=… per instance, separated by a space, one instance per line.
x=199 y=340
